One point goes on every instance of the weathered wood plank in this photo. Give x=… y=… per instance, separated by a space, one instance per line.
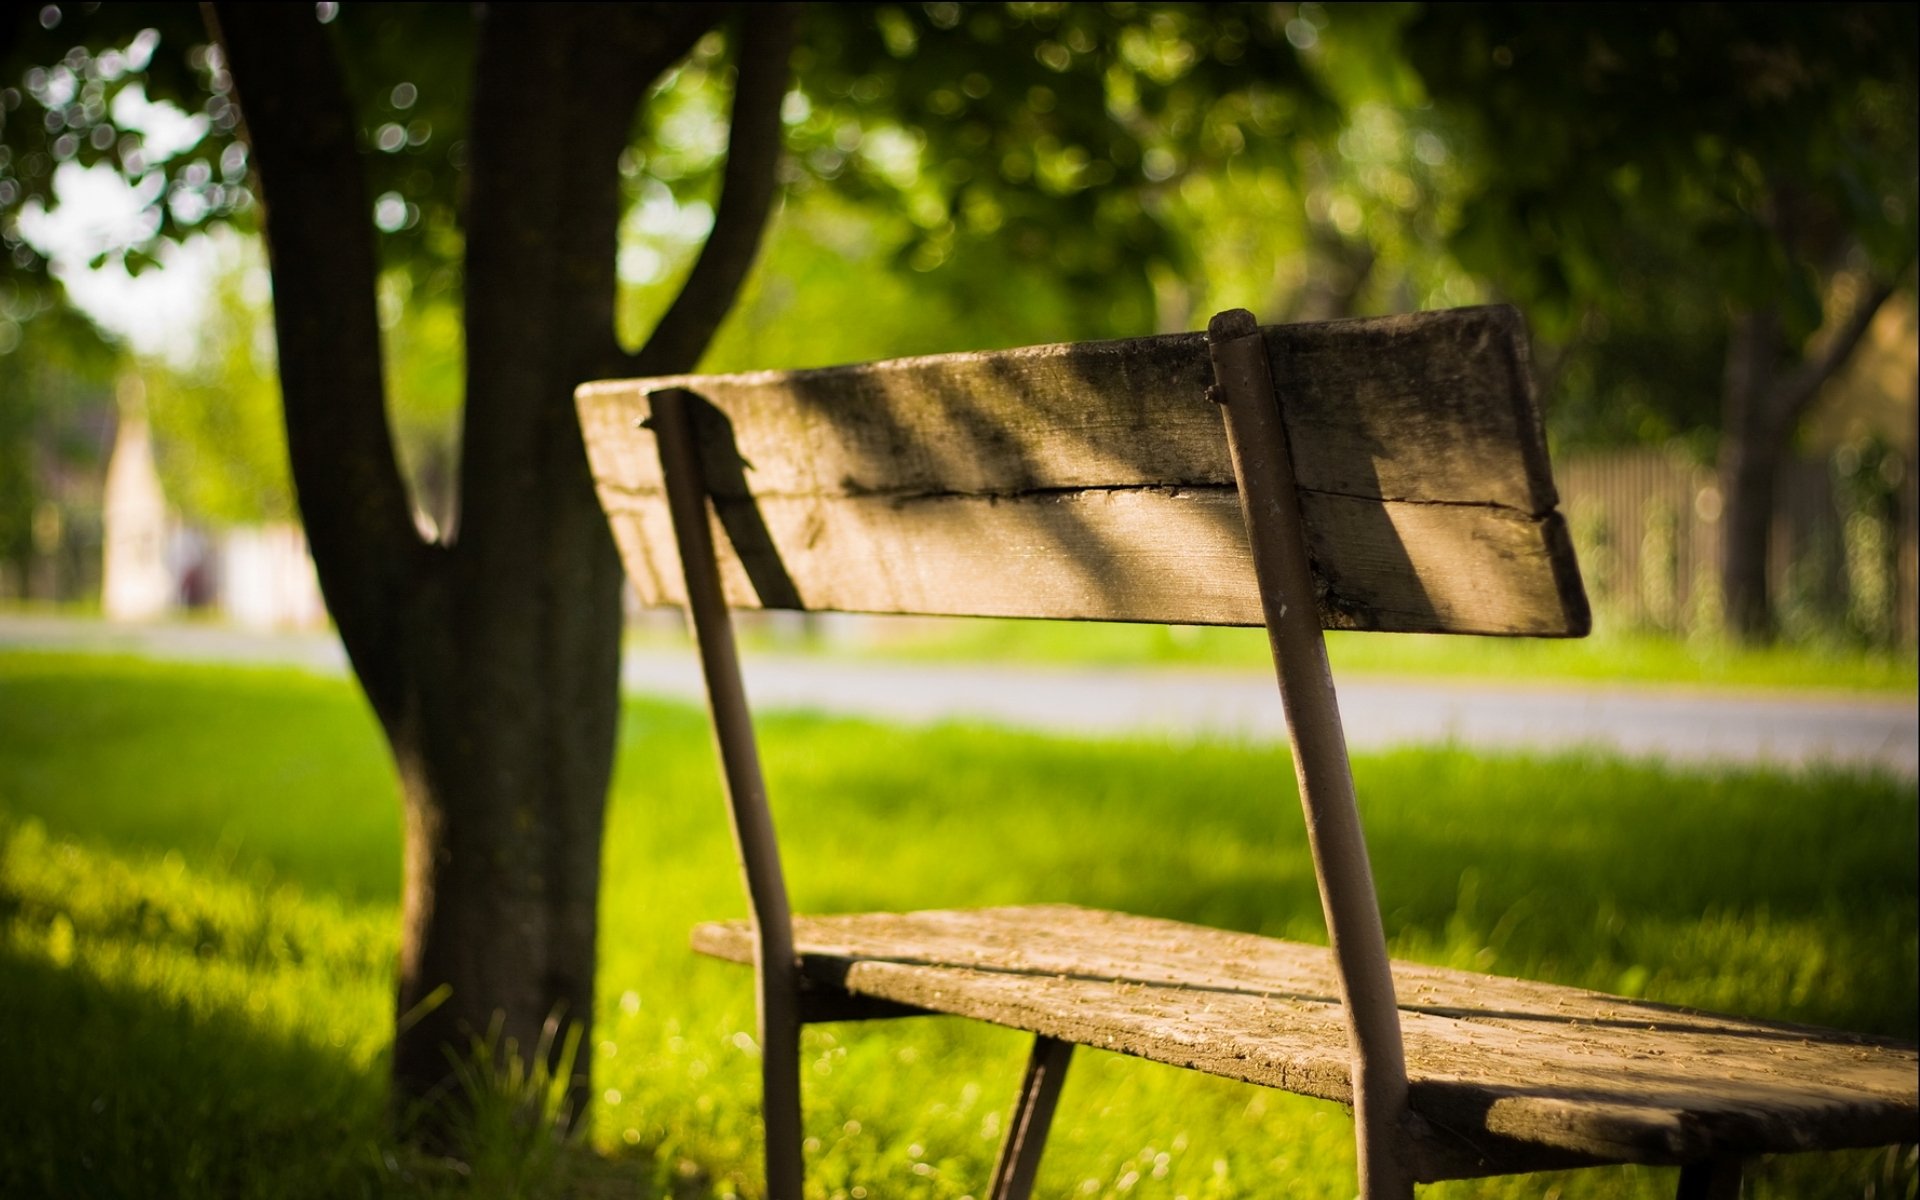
x=1425 y=407
x=1508 y=1074
x=1114 y=555
x=1065 y=481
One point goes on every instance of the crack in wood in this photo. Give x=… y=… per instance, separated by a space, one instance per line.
x=850 y=490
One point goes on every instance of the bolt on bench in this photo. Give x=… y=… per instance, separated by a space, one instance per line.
x=1385 y=474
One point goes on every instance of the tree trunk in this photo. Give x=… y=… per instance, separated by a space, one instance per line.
x=507 y=746
x=1749 y=461
x=491 y=658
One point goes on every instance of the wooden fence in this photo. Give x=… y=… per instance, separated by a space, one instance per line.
x=1647 y=527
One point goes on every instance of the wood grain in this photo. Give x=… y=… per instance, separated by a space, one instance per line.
x=1092 y=481
x=1506 y=1074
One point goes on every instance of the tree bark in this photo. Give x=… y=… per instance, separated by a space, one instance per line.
x=1749 y=459
x=492 y=657
x=507 y=756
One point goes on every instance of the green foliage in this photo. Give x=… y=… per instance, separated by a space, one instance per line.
x=1338 y=220
x=1759 y=134
x=1029 y=172
x=914 y=223
x=56 y=398
x=215 y=973
x=215 y=403
x=413 y=112
x=83 y=78
x=216 y=414
x=77 y=86
x=1044 y=131
x=1156 y=162
x=1641 y=171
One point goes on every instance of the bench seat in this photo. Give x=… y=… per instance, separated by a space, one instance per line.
x=1505 y=1074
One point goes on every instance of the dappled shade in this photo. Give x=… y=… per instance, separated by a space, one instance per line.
x=1092 y=481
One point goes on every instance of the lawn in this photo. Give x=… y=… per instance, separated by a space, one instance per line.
x=199 y=869
x=1612 y=656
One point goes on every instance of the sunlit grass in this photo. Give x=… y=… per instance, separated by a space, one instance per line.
x=195 y=970
x=175 y=1030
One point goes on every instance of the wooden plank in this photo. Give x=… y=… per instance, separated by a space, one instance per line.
x=1507 y=1074
x=1113 y=555
x=903 y=486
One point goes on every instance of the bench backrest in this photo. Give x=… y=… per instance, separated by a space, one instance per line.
x=1092 y=481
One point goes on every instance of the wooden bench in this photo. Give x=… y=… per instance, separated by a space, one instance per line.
x=1385 y=474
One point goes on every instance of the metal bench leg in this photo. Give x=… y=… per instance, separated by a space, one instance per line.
x=774 y=965
x=1277 y=535
x=780 y=1098
x=780 y=1080
x=1714 y=1179
x=1032 y=1116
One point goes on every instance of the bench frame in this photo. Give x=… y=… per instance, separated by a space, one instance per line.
x=1257 y=440
x=1270 y=507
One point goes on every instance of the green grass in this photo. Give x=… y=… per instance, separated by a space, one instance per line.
x=198 y=877
x=1611 y=656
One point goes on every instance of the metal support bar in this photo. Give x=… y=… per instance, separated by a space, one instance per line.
x=1032 y=1118
x=1714 y=1179
x=776 y=972
x=1269 y=502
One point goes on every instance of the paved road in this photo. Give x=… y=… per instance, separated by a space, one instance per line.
x=1683 y=725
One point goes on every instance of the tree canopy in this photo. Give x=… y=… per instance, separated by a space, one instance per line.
x=1644 y=171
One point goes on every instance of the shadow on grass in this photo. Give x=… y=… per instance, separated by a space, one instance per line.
x=168 y=1030
x=116 y=1091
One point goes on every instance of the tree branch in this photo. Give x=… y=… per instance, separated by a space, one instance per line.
x=302 y=134
x=1790 y=397
x=746 y=198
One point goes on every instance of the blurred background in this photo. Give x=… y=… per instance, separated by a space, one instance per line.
x=1660 y=192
